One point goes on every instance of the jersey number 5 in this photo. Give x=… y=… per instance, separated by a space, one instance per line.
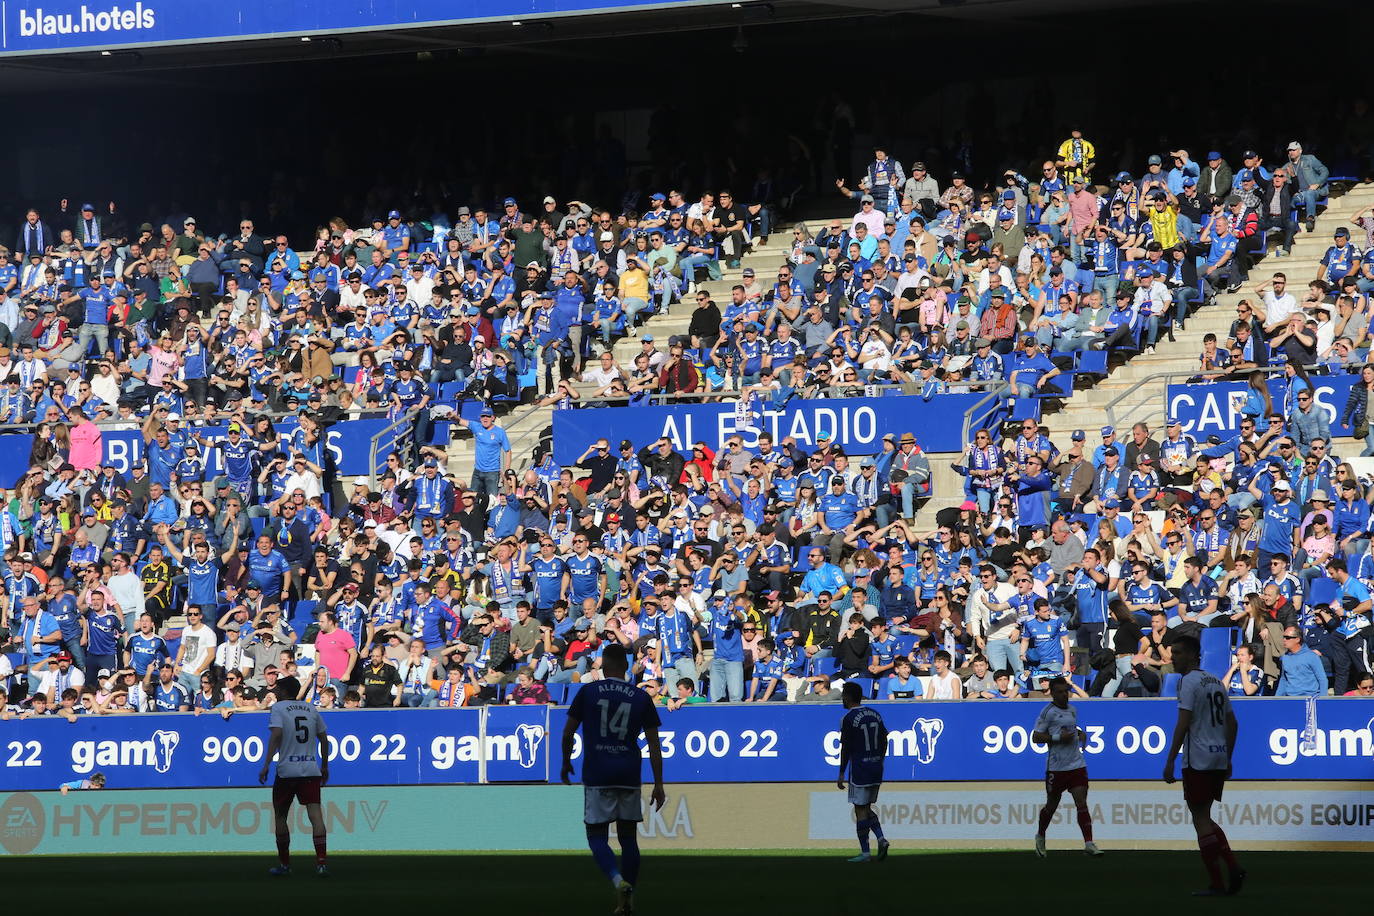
x=302 y=730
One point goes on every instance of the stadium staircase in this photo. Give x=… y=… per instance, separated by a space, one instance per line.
x=1143 y=396
x=525 y=422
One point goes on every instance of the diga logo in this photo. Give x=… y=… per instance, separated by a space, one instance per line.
x=21 y=824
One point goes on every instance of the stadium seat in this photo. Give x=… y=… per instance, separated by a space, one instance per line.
x=819 y=666
x=1092 y=362
x=1216 y=649
x=906 y=642
x=303 y=616
x=571 y=692
x=1321 y=590
x=1170 y=686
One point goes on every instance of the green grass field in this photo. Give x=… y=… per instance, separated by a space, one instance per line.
x=777 y=882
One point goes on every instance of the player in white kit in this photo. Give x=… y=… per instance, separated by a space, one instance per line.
x=1065 y=768
x=1206 y=734
x=297 y=738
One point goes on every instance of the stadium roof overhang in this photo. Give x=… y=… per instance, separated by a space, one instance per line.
x=239 y=41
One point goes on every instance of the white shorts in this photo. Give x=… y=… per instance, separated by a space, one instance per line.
x=863 y=795
x=602 y=805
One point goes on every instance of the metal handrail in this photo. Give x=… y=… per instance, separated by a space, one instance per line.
x=1163 y=407
x=406 y=419
x=993 y=395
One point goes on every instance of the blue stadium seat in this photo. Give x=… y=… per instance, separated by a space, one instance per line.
x=1170 y=686
x=1024 y=409
x=906 y=642
x=15 y=659
x=571 y=692
x=1321 y=590
x=258 y=524
x=802 y=563
x=303 y=616
x=1216 y=649
x=1092 y=362
x=822 y=666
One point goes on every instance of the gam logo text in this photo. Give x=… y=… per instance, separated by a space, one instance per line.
x=919 y=741
x=155 y=752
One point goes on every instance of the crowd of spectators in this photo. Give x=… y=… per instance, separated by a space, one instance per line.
x=763 y=572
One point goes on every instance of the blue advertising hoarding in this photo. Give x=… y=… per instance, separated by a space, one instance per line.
x=1210 y=410
x=777 y=742
x=856 y=424
x=349 y=443
x=41 y=26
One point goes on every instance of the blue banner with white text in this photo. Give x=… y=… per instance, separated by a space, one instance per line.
x=855 y=424
x=38 y=26
x=1280 y=739
x=349 y=444
x=1214 y=409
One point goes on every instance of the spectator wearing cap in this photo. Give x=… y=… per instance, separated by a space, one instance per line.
x=922 y=190
x=1074 y=482
x=1341 y=259
x=1031 y=370
x=1245 y=227
x=998 y=323
x=1162 y=219
x=1221 y=270
x=910 y=471
x=492 y=454
x=1309 y=176
x=1215 y=177
x=884 y=179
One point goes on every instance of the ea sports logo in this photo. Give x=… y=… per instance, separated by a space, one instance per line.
x=21 y=824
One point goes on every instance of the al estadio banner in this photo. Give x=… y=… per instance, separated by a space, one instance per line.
x=855 y=424
x=1142 y=815
x=1280 y=739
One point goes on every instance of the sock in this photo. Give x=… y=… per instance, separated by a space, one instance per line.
x=284 y=849
x=628 y=835
x=1210 y=850
x=1224 y=848
x=320 y=854
x=1045 y=815
x=605 y=859
x=1085 y=824
x=861 y=828
x=876 y=826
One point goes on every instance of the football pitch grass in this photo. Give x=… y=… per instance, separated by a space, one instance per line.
x=777 y=882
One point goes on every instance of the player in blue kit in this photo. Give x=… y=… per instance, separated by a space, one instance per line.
x=863 y=746
x=611 y=713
